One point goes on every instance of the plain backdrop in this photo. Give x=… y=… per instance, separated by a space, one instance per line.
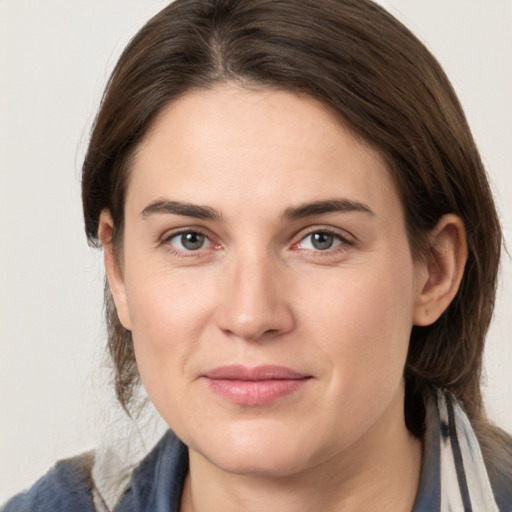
x=55 y=57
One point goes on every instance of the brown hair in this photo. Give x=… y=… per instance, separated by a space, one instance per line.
x=382 y=82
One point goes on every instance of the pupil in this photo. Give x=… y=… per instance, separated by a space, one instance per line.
x=192 y=241
x=322 y=241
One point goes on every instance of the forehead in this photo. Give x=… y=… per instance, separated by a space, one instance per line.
x=233 y=146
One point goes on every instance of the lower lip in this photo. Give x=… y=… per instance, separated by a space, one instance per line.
x=255 y=392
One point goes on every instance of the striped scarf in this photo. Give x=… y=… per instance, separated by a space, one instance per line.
x=454 y=477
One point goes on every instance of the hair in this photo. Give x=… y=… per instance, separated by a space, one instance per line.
x=383 y=84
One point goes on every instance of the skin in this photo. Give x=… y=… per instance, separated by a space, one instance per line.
x=259 y=291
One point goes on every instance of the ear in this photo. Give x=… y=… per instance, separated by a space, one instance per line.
x=114 y=272
x=442 y=270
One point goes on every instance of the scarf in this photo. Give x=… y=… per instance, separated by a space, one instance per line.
x=464 y=483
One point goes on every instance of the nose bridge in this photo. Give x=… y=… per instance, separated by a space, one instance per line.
x=255 y=302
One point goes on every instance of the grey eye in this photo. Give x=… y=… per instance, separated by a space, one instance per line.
x=189 y=241
x=192 y=241
x=322 y=241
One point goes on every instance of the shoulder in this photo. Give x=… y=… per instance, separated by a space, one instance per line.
x=67 y=486
x=157 y=482
x=73 y=484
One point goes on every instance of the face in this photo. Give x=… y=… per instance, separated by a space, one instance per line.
x=267 y=281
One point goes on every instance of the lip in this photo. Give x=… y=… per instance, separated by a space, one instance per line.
x=258 y=385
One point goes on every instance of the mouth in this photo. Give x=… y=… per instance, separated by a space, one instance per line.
x=259 y=385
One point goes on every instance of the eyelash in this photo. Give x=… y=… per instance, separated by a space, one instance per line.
x=166 y=241
x=345 y=240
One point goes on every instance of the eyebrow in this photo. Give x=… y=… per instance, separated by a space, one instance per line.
x=327 y=206
x=165 y=206
x=180 y=208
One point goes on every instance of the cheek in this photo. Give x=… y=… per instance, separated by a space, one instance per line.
x=165 y=305
x=167 y=317
x=364 y=330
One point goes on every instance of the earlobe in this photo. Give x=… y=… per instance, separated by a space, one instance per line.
x=112 y=267
x=442 y=270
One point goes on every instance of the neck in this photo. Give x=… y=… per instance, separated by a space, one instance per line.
x=380 y=472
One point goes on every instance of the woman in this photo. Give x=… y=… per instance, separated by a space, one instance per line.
x=301 y=250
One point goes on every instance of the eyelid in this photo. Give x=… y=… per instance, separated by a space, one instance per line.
x=346 y=238
x=331 y=230
x=172 y=233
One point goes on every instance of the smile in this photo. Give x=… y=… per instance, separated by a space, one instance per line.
x=254 y=386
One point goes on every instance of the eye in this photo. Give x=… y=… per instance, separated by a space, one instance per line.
x=188 y=241
x=321 y=241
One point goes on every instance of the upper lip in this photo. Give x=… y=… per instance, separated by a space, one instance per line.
x=256 y=373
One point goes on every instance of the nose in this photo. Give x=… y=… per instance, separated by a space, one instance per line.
x=255 y=303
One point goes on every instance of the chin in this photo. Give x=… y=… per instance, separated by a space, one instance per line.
x=256 y=451
x=260 y=463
